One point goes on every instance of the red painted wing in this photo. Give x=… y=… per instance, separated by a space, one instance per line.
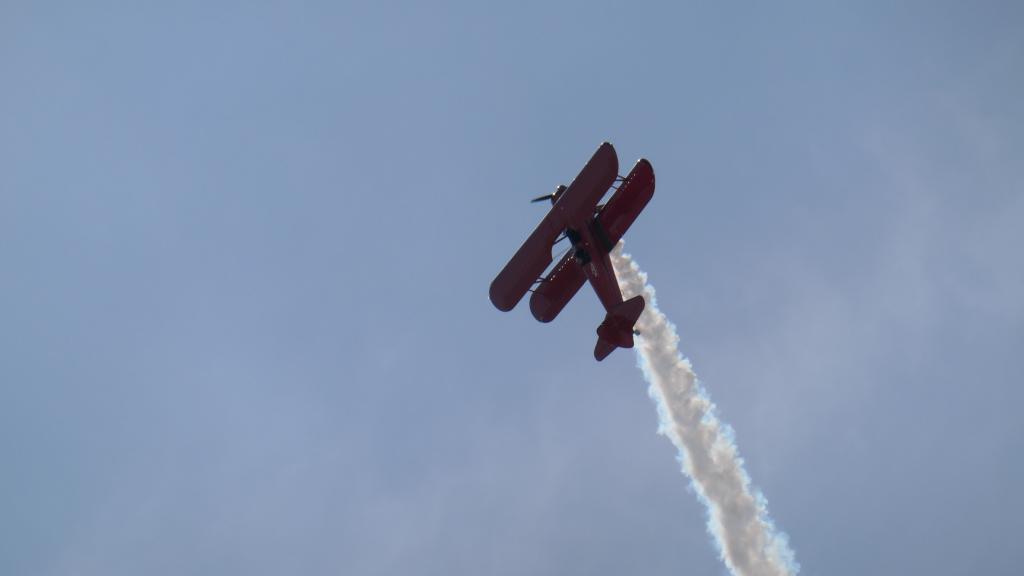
x=628 y=201
x=574 y=208
x=577 y=203
x=529 y=262
x=557 y=289
x=551 y=297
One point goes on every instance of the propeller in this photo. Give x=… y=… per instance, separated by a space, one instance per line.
x=553 y=197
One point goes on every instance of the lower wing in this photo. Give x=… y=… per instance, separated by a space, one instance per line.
x=555 y=291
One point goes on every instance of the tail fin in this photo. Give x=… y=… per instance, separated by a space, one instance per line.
x=617 y=329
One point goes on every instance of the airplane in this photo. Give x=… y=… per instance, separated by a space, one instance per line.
x=593 y=230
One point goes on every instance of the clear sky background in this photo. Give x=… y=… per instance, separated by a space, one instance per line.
x=245 y=251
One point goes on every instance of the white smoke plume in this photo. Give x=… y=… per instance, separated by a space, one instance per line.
x=737 y=515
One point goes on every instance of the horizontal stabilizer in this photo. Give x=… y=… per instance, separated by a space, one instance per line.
x=603 y=349
x=620 y=338
x=617 y=329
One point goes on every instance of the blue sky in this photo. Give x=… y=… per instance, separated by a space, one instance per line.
x=245 y=253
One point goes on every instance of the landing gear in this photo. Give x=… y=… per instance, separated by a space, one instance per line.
x=581 y=255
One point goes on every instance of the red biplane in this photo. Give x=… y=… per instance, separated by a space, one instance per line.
x=592 y=229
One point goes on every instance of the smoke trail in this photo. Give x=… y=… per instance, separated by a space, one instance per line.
x=737 y=516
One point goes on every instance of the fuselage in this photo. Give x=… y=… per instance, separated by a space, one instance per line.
x=589 y=249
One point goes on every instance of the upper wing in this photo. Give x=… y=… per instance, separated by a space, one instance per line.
x=557 y=289
x=529 y=262
x=578 y=201
x=574 y=208
x=627 y=202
